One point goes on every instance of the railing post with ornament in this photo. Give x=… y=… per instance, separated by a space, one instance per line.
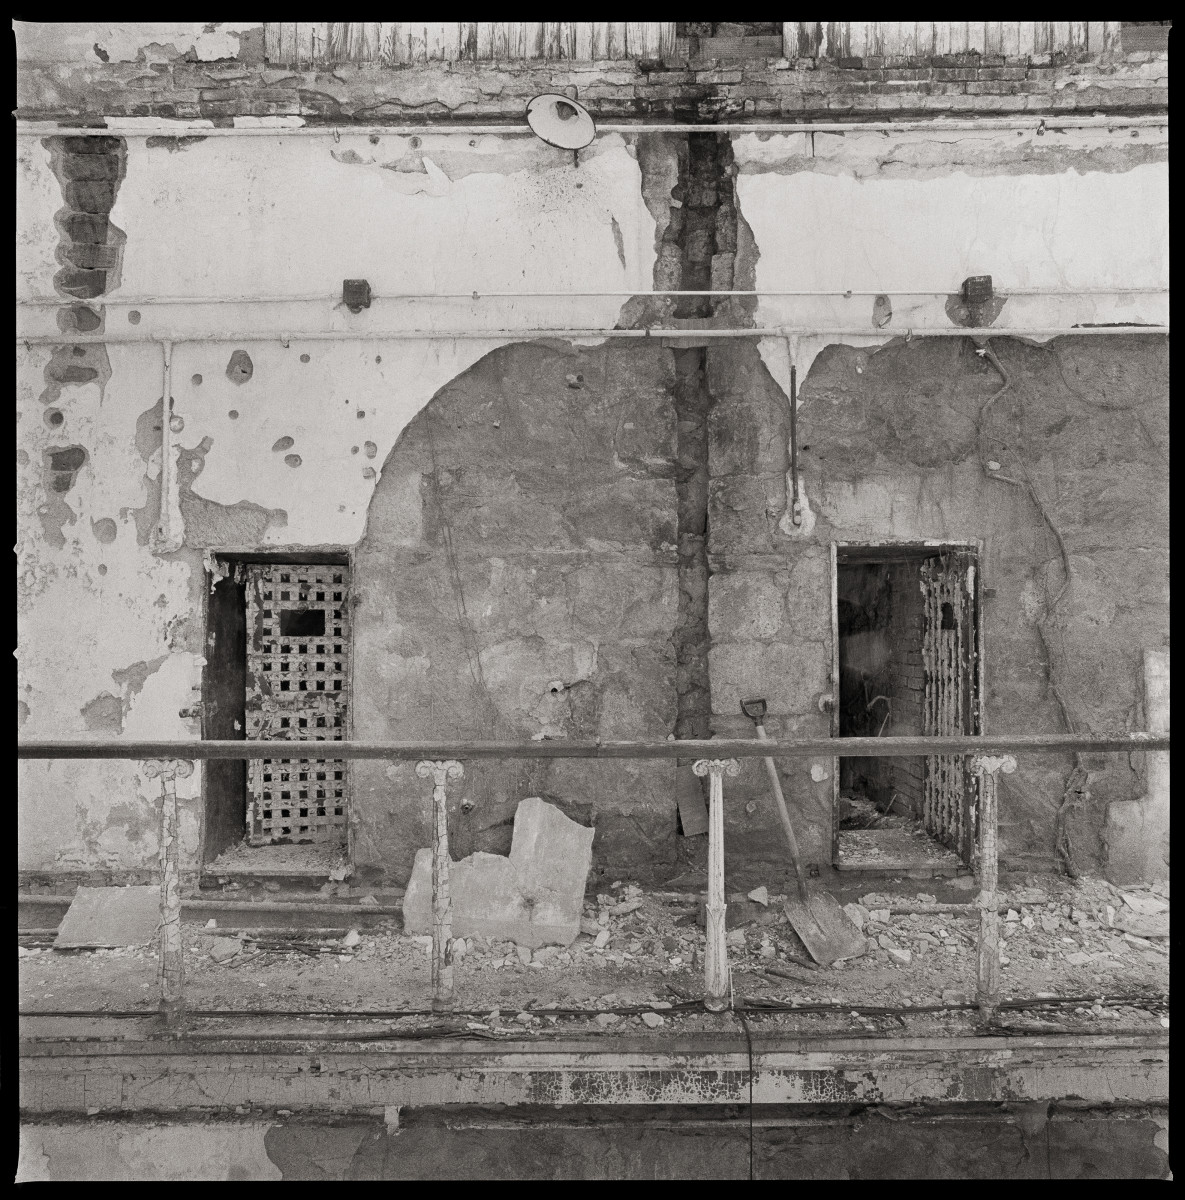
x=716 y=989
x=170 y=947
x=442 y=915
x=987 y=981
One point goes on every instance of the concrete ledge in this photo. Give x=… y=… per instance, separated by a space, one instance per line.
x=336 y=1069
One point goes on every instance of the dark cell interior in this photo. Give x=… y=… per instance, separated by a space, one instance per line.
x=881 y=686
x=309 y=622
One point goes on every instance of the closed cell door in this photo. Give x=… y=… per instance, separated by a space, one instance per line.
x=298 y=645
x=951 y=663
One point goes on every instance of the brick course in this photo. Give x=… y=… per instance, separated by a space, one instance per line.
x=703 y=89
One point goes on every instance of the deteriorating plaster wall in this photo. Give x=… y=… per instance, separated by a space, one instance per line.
x=291 y=221
x=87 y=530
x=517 y=580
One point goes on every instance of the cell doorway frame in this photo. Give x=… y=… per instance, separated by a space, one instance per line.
x=908 y=548
x=225 y=561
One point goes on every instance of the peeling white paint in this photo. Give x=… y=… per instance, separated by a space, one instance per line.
x=145 y=41
x=923 y=211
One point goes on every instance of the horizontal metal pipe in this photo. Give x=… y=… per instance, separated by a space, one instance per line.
x=494 y=335
x=27 y=128
x=149 y=301
x=858 y=747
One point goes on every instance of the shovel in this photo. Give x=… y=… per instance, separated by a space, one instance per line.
x=825 y=929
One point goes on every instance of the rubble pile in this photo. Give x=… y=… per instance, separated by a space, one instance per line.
x=642 y=952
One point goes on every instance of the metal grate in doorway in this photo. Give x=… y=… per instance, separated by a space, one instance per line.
x=950 y=656
x=297 y=689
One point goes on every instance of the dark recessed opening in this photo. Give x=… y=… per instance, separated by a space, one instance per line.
x=907 y=667
x=309 y=622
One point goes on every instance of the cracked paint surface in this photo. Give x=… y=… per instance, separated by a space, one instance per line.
x=531 y=220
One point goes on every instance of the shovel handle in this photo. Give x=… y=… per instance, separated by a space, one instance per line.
x=771 y=770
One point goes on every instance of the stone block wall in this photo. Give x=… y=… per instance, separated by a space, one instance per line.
x=517 y=580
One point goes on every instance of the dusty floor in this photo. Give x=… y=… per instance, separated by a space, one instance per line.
x=1061 y=938
x=311 y=858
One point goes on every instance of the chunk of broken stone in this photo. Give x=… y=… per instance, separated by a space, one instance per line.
x=602 y=939
x=534 y=897
x=760 y=896
x=652 y=1020
x=604 y=1020
x=857 y=913
x=222 y=949
x=589 y=926
x=1151 y=925
x=1148 y=906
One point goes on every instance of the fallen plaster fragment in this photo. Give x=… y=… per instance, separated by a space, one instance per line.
x=534 y=897
x=110 y=917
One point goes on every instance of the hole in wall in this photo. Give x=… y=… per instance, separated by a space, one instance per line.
x=104 y=530
x=54 y=417
x=361 y=413
x=134 y=317
x=233 y=414
x=240 y=368
x=304 y=358
x=196 y=381
x=371 y=450
x=284 y=443
x=293 y=460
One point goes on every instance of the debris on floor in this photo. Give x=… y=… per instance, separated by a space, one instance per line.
x=281 y=858
x=639 y=953
x=533 y=898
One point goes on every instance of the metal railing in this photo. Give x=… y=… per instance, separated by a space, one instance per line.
x=714 y=758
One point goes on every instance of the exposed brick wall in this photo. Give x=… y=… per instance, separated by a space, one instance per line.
x=687 y=89
x=89 y=171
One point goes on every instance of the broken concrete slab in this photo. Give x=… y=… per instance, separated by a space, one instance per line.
x=1148 y=906
x=1151 y=925
x=534 y=897
x=104 y=918
x=224 y=949
x=689 y=795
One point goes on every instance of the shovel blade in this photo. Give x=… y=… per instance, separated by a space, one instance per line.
x=826 y=930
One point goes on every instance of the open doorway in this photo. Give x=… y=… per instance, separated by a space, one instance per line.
x=277 y=668
x=908 y=664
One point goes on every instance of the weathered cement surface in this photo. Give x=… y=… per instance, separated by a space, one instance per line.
x=1004 y=1142
x=1136 y=836
x=219 y=71
x=473 y=648
x=517 y=579
x=84 y=535
x=534 y=897
x=889 y=450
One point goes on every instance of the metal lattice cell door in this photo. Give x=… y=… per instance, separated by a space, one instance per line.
x=297 y=690
x=950 y=654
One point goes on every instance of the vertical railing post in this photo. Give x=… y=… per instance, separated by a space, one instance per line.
x=442 y=913
x=716 y=990
x=170 y=946
x=987 y=981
